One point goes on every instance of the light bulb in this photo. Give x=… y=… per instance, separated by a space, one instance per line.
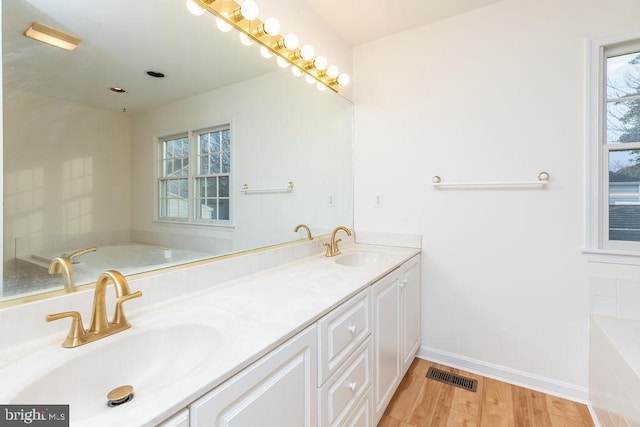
x=333 y=71
x=223 y=26
x=283 y=63
x=266 y=53
x=343 y=79
x=307 y=52
x=321 y=63
x=309 y=79
x=290 y=41
x=195 y=8
x=245 y=39
x=296 y=71
x=271 y=26
x=249 y=10
x=321 y=87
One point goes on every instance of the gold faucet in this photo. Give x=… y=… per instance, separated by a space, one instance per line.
x=62 y=264
x=332 y=246
x=73 y=255
x=299 y=226
x=100 y=326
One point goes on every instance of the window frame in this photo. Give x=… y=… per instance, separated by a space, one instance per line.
x=598 y=247
x=192 y=219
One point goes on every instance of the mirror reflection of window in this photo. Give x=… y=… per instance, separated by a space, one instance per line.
x=210 y=179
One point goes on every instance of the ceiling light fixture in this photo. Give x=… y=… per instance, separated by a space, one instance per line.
x=195 y=8
x=243 y=16
x=52 y=36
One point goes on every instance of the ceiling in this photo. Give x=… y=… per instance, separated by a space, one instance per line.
x=361 y=21
x=121 y=40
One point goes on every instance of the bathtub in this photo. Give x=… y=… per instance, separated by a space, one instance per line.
x=614 y=371
x=127 y=259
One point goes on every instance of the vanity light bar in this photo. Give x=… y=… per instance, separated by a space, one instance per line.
x=282 y=46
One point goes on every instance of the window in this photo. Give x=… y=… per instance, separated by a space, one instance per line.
x=613 y=161
x=199 y=193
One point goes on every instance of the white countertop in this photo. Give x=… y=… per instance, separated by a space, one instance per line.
x=253 y=315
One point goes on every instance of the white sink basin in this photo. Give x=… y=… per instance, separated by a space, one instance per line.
x=360 y=259
x=148 y=360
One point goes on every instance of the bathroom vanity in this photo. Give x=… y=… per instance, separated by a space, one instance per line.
x=315 y=342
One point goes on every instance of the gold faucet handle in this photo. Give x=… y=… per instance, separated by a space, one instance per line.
x=76 y=332
x=118 y=316
x=329 y=252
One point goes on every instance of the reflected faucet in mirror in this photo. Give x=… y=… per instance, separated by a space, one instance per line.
x=62 y=264
x=332 y=246
x=305 y=227
x=74 y=255
x=100 y=326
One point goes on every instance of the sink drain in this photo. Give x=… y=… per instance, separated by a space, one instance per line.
x=120 y=395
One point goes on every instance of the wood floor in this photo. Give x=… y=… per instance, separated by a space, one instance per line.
x=423 y=402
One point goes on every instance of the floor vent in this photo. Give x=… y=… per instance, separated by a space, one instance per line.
x=452 y=379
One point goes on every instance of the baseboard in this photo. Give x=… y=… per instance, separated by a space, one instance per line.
x=594 y=416
x=508 y=375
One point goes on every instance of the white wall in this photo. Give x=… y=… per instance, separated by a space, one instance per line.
x=494 y=94
x=280 y=133
x=66 y=173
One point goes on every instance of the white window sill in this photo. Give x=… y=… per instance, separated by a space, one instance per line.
x=175 y=223
x=612 y=256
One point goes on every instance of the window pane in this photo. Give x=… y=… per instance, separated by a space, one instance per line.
x=623 y=75
x=215 y=163
x=205 y=168
x=226 y=162
x=623 y=113
x=223 y=212
x=624 y=195
x=224 y=186
x=623 y=121
x=204 y=209
x=226 y=140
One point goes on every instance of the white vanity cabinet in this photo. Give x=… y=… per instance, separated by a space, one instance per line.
x=340 y=372
x=277 y=390
x=396 y=330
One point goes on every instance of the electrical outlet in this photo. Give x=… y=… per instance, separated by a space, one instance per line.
x=331 y=200
x=378 y=201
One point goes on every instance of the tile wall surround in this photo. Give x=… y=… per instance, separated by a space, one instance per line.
x=24 y=325
x=615 y=297
x=614 y=371
x=614 y=354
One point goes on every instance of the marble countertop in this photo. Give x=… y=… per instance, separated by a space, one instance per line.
x=252 y=315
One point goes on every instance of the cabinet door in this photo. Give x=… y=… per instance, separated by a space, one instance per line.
x=386 y=340
x=278 y=390
x=410 y=311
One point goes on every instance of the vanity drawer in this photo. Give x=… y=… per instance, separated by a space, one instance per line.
x=344 y=390
x=361 y=415
x=341 y=332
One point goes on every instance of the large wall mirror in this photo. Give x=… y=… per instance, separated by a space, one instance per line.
x=187 y=167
